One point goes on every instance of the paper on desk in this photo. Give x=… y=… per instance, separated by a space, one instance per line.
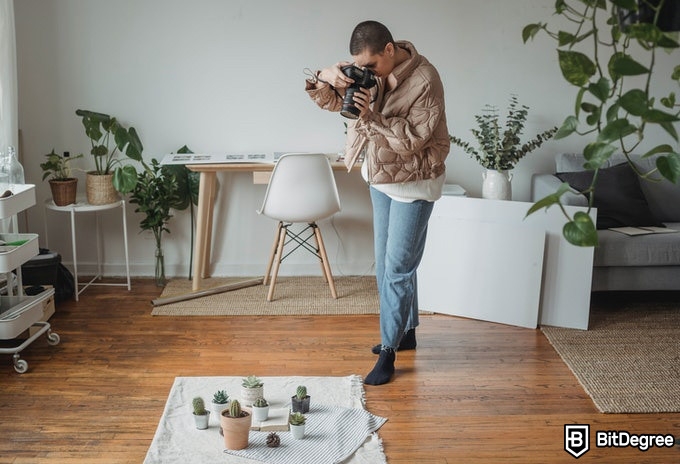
x=222 y=158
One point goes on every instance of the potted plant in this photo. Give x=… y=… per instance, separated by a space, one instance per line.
x=260 y=409
x=252 y=388
x=64 y=187
x=235 y=424
x=220 y=402
x=297 y=425
x=108 y=138
x=500 y=148
x=613 y=71
x=300 y=400
x=201 y=415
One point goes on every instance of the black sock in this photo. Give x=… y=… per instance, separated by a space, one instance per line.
x=383 y=370
x=408 y=342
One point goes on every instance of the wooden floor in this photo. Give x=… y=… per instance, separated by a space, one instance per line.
x=472 y=392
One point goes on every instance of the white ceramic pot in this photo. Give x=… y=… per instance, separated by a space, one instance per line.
x=260 y=414
x=249 y=395
x=298 y=431
x=496 y=185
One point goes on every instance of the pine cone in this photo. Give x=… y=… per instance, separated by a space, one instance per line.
x=273 y=440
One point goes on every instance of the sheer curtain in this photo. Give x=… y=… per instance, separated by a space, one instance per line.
x=8 y=77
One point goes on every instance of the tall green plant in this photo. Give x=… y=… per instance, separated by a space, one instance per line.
x=612 y=66
x=108 y=138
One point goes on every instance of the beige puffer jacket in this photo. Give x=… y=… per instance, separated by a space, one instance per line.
x=406 y=138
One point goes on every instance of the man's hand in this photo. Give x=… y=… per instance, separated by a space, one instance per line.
x=362 y=100
x=334 y=76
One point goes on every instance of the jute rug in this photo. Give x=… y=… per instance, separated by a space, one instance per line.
x=293 y=296
x=338 y=427
x=629 y=359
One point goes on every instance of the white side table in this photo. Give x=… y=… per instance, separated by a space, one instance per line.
x=82 y=206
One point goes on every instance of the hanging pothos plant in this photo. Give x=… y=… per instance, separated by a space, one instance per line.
x=612 y=64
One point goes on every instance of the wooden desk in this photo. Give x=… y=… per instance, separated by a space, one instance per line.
x=206 y=203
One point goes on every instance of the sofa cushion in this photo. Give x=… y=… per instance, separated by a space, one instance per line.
x=618 y=197
x=616 y=249
x=663 y=197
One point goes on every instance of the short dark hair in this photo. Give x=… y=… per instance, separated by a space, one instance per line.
x=370 y=35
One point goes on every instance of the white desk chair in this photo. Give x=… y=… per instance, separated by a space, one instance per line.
x=301 y=190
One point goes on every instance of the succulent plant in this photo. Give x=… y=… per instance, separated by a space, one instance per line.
x=297 y=418
x=220 y=397
x=273 y=440
x=260 y=403
x=235 y=410
x=301 y=392
x=199 y=406
x=251 y=382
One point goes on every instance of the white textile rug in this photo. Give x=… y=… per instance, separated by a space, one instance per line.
x=344 y=431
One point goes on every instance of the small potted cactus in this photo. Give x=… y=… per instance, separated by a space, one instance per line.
x=235 y=424
x=297 y=425
x=220 y=402
x=300 y=401
x=252 y=388
x=260 y=409
x=201 y=415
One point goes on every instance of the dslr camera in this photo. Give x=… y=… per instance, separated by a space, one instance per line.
x=363 y=78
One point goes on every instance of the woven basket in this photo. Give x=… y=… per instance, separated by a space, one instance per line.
x=64 y=191
x=100 y=189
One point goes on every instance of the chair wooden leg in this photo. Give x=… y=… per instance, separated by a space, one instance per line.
x=324 y=261
x=272 y=254
x=277 y=262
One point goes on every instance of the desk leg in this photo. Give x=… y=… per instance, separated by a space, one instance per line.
x=203 y=226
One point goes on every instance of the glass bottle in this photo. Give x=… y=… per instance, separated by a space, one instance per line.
x=16 y=170
x=4 y=172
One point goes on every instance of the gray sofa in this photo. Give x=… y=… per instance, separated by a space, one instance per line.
x=622 y=262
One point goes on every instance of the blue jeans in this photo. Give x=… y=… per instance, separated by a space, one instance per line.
x=399 y=232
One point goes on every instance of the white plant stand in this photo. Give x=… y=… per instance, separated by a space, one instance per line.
x=79 y=207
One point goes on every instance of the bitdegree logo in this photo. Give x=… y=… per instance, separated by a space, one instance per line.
x=623 y=439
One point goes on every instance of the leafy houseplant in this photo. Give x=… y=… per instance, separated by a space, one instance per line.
x=155 y=193
x=235 y=425
x=297 y=425
x=201 y=415
x=300 y=401
x=64 y=187
x=108 y=138
x=612 y=65
x=500 y=148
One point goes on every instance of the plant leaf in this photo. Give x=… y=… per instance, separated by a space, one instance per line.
x=597 y=153
x=669 y=167
x=530 y=31
x=635 y=102
x=568 y=127
x=600 y=89
x=626 y=4
x=616 y=130
x=581 y=230
x=577 y=68
x=626 y=66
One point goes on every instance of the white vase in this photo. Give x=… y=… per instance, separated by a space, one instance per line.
x=496 y=185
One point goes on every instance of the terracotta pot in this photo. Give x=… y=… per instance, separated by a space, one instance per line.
x=235 y=430
x=100 y=189
x=64 y=191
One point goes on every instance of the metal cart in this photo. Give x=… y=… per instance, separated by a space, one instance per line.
x=19 y=312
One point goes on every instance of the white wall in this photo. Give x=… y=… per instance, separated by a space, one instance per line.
x=227 y=76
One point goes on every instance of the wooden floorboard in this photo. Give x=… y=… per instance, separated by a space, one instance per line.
x=473 y=392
